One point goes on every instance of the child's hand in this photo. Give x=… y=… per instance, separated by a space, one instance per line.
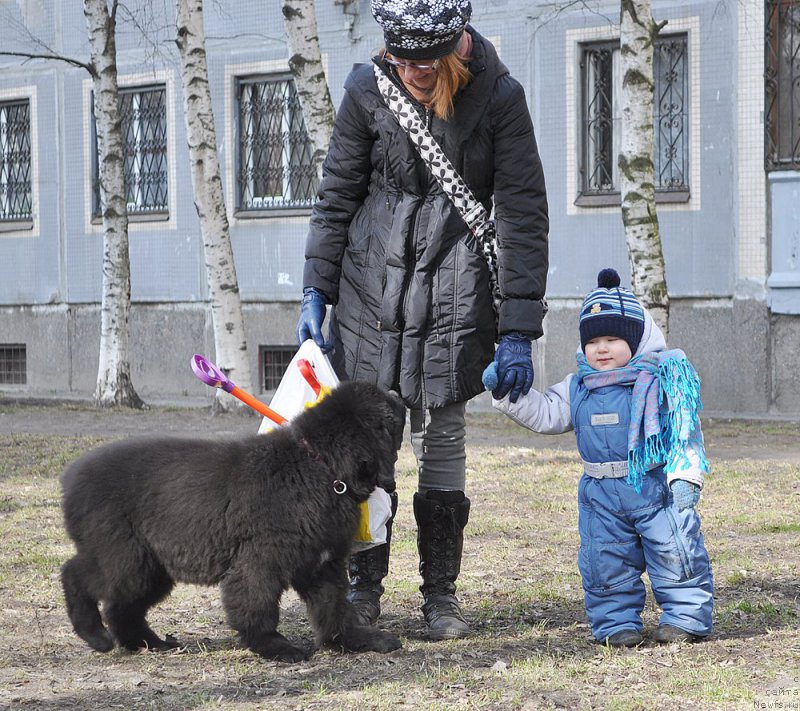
x=489 y=376
x=685 y=494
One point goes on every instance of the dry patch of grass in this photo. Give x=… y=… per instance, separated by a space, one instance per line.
x=531 y=646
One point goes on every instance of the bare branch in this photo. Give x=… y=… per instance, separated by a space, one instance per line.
x=556 y=10
x=156 y=35
x=26 y=40
x=256 y=35
x=57 y=57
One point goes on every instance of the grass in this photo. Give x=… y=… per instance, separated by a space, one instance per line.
x=531 y=647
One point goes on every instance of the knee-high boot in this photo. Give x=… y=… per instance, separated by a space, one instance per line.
x=367 y=570
x=441 y=517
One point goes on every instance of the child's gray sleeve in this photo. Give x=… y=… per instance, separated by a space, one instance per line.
x=547 y=412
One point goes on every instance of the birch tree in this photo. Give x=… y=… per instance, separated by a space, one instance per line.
x=226 y=308
x=305 y=63
x=638 y=33
x=114 y=385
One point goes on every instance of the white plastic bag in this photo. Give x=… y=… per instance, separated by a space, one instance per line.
x=293 y=395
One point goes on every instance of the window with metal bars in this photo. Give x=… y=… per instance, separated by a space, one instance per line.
x=601 y=79
x=275 y=167
x=13 y=364
x=782 y=84
x=16 y=197
x=144 y=132
x=274 y=362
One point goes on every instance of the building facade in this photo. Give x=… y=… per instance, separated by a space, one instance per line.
x=727 y=173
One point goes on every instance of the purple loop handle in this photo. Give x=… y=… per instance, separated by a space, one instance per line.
x=210 y=374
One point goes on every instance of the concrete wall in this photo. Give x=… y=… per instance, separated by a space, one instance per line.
x=62 y=346
x=744 y=355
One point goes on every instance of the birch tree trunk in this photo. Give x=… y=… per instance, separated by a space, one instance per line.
x=226 y=307
x=638 y=33
x=114 y=385
x=305 y=62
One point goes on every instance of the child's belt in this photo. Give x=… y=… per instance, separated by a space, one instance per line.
x=606 y=470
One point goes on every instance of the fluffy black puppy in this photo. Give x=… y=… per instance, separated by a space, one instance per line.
x=254 y=515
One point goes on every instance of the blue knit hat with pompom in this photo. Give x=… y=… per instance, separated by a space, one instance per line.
x=611 y=310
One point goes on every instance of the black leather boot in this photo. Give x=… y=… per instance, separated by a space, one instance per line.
x=441 y=517
x=367 y=570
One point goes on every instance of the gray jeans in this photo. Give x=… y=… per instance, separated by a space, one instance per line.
x=438 y=438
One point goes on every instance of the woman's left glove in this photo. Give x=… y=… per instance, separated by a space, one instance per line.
x=312 y=315
x=514 y=366
x=685 y=494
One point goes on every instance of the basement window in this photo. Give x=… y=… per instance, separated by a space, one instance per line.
x=274 y=360
x=13 y=364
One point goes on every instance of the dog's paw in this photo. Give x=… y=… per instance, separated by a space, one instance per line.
x=289 y=654
x=386 y=642
x=369 y=639
x=280 y=649
x=100 y=641
x=167 y=644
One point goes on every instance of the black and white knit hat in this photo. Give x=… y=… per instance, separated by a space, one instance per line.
x=421 y=29
x=611 y=310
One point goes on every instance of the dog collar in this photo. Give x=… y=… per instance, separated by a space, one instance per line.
x=339 y=486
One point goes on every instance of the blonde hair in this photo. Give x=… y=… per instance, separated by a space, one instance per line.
x=452 y=75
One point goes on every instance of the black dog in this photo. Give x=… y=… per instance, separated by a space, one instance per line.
x=254 y=515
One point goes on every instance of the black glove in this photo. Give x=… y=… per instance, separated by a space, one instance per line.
x=514 y=366
x=312 y=315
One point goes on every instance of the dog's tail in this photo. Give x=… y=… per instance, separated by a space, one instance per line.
x=82 y=606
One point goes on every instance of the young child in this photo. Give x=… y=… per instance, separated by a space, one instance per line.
x=636 y=422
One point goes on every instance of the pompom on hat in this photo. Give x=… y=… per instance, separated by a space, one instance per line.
x=421 y=29
x=611 y=310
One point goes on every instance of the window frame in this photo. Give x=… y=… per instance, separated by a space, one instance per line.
x=779 y=113
x=278 y=203
x=612 y=197
x=160 y=211
x=20 y=221
x=13 y=365
x=275 y=358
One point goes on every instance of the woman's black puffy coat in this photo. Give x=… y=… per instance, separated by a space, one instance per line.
x=411 y=293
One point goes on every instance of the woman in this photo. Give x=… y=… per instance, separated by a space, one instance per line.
x=412 y=305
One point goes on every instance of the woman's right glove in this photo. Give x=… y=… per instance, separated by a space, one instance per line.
x=685 y=494
x=312 y=315
x=514 y=366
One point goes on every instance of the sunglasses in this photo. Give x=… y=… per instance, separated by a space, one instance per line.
x=421 y=68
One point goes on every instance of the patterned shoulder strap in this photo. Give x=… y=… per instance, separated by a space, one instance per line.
x=473 y=213
x=441 y=168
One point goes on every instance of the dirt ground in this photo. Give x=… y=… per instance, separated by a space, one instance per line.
x=531 y=646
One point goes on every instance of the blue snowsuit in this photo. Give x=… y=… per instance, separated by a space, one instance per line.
x=623 y=533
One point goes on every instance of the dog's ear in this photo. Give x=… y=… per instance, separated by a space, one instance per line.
x=377 y=469
x=369 y=473
x=384 y=416
x=394 y=420
x=390 y=424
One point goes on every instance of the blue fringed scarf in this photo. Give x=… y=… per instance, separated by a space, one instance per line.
x=665 y=408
